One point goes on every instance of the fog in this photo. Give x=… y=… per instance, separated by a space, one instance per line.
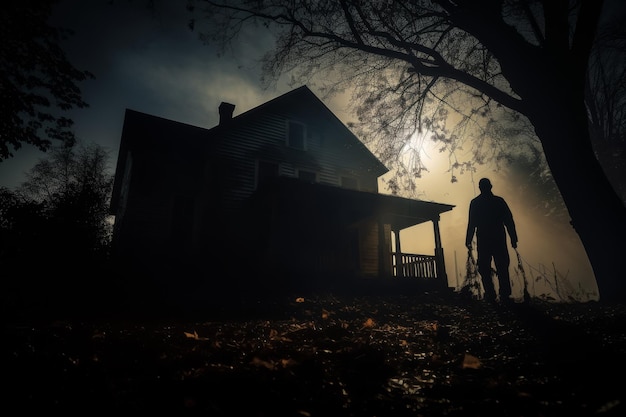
x=553 y=258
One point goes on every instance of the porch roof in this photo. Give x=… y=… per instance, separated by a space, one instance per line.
x=400 y=212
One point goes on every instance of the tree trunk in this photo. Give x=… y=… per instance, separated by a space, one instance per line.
x=597 y=213
x=550 y=83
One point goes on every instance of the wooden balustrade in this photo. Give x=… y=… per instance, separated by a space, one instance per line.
x=410 y=265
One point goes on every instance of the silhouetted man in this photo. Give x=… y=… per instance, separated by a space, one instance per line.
x=488 y=216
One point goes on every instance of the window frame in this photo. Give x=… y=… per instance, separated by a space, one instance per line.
x=289 y=142
x=314 y=174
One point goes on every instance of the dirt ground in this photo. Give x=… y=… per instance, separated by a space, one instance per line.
x=327 y=355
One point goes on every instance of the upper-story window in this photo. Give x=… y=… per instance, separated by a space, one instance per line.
x=296 y=135
x=307 y=176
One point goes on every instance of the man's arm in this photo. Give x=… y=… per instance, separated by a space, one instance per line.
x=510 y=224
x=471 y=226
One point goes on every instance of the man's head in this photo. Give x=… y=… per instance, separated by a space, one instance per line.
x=484 y=185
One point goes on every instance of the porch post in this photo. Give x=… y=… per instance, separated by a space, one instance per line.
x=439 y=260
x=398 y=255
x=384 y=266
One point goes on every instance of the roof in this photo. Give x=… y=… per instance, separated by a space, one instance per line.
x=398 y=211
x=317 y=108
x=140 y=126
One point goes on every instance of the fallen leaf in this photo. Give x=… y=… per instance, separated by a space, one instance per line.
x=287 y=362
x=256 y=361
x=369 y=323
x=194 y=336
x=471 y=362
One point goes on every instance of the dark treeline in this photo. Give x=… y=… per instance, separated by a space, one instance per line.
x=55 y=236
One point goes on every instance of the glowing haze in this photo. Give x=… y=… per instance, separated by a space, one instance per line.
x=548 y=245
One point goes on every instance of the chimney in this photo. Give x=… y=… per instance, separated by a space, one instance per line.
x=226 y=112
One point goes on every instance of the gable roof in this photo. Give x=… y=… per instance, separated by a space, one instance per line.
x=315 y=109
x=155 y=128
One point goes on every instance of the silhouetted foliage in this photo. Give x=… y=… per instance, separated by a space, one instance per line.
x=21 y=222
x=606 y=101
x=55 y=230
x=75 y=186
x=37 y=82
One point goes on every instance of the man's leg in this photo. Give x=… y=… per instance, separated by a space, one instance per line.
x=484 y=269
x=502 y=262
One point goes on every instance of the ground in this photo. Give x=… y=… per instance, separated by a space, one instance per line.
x=327 y=355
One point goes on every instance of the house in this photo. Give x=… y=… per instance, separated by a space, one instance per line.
x=281 y=194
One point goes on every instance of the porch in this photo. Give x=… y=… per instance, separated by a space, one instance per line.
x=324 y=230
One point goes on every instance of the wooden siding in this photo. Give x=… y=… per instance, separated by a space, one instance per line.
x=265 y=139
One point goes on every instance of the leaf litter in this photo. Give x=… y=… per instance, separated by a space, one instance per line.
x=396 y=355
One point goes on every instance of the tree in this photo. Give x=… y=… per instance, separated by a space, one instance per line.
x=55 y=231
x=21 y=221
x=74 y=185
x=37 y=82
x=606 y=101
x=510 y=76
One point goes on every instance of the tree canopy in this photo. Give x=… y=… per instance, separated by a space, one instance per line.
x=55 y=229
x=37 y=82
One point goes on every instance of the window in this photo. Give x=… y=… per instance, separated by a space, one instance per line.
x=296 y=135
x=307 y=176
x=266 y=170
x=349 y=182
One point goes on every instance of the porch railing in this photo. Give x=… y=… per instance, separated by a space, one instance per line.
x=410 y=265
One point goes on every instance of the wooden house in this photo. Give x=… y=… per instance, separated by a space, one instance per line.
x=283 y=193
